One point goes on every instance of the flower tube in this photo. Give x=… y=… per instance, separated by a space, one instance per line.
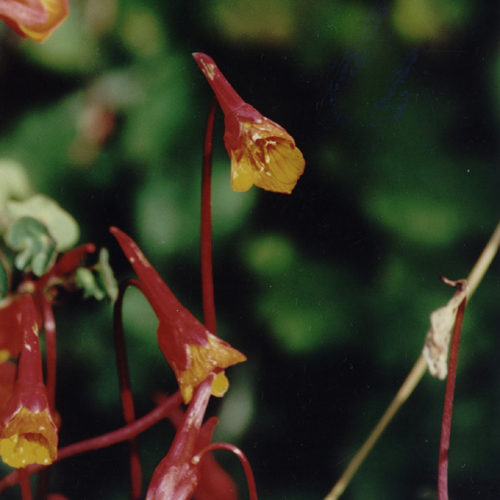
x=177 y=476
x=28 y=434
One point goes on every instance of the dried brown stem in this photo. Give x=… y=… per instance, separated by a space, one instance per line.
x=414 y=377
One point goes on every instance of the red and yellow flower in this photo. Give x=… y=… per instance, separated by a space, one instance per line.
x=261 y=151
x=214 y=481
x=35 y=19
x=28 y=434
x=177 y=476
x=190 y=349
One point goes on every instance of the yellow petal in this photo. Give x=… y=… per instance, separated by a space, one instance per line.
x=28 y=438
x=267 y=157
x=216 y=356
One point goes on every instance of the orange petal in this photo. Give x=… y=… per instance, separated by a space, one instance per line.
x=267 y=157
x=57 y=11
x=216 y=356
x=29 y=438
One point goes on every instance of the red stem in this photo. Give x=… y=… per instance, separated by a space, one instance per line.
x=125 y=388
x=444 y=445
x=207 y=282
x=50 y=349
x=252 y=488
x=109 y=439
x=25 y=484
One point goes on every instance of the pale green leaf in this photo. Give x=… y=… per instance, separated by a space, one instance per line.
x=60 y=224
x=36 y=247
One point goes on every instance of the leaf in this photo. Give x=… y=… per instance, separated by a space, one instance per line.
x=437 y=341
x=14 y=182
x=86 y=280
x=105 y=275
x=60 y=224
x=100 y=281
x=36 y=246
x=4 y=279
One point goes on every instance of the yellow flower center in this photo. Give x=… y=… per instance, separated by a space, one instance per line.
x=28 y=438
x=267 y=157
x=205 y=360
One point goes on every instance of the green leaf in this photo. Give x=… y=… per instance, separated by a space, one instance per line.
x=100 y=281
x=106 y=276
x=36 y=246
x=14 y=182
x=4 y=279
x=86 y=280
x=60 y=224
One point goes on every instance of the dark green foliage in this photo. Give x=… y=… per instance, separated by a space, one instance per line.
x=328 y=291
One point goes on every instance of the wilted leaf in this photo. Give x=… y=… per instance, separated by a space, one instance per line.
x=437 y=342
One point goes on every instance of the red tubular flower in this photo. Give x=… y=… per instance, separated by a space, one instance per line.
x=28 y=434
x=177 y=477
x=7 y=380
x=190 y=349
x=35 y=19
x=261 y=151
x=214 y=481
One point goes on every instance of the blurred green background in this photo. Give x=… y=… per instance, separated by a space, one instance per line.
x=328 y=291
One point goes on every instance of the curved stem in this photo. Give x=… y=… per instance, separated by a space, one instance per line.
x=444 y=445
x=252 y=488
x=125 y=387
x=207 y=281
x=109 y=439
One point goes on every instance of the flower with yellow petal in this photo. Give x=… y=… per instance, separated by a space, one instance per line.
x=35 y=19
x=190 y=349
x=177 y=476
x=214 y=481
x=28 y=434
x=261 y=151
